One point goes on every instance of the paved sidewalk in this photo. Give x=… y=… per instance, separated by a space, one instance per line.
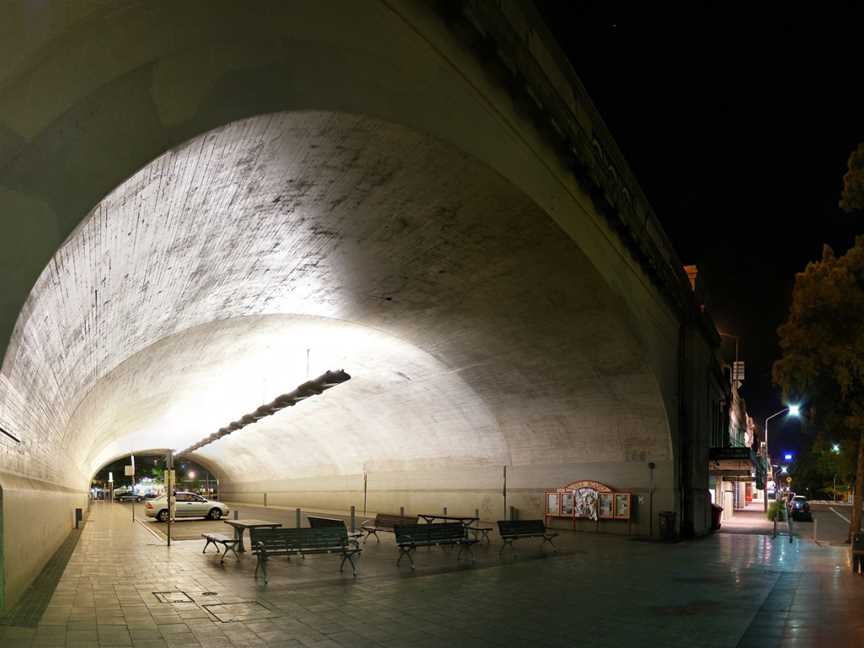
x=725 y=590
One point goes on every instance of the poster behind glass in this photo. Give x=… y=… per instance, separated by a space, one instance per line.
x=606 y=505
x=552 y=504
x=622 y=505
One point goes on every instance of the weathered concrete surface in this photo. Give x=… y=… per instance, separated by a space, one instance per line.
x=382 y=182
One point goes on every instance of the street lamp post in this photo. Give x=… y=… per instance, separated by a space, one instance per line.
x=793 y=410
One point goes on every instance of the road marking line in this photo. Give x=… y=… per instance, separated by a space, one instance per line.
x=842 y=517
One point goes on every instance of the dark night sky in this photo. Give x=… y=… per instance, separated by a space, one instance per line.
x=738 y=123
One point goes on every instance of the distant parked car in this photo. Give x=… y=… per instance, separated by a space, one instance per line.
x=801 y=509
x=129 y=497
x=187 y=505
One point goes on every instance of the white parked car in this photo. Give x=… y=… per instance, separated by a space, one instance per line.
x=186 y=505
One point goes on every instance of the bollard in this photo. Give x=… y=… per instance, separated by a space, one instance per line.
x=236 y=514
x=79 y=515
x=445 y=511
x=353 y=520
x=477 y=514
x=815 y=535
x=401 y=511
x=298 y=518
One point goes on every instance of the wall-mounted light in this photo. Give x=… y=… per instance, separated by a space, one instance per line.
x=308 y=389
x=10 y=435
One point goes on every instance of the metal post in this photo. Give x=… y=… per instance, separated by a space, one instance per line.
x=445 y=511
x=169 y=464
x=365 y=486
x=297 y=518
x=505 y=492
x=401 y=511
x=353 y=520
x=651 y=466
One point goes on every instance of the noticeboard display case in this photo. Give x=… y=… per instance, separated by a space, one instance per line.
x=587 y=500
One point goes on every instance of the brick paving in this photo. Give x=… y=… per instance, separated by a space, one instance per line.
x=726 y=590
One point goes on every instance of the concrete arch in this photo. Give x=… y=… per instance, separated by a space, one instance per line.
x=97 y=97
x=149 y=452
x=243 y=236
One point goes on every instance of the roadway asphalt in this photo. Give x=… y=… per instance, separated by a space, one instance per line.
x=832 y=522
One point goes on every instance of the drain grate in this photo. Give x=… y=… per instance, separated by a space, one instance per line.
x=248 y=611
x=173 y=597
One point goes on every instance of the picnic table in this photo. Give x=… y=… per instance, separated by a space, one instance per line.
x=240 y=527
x=468 y=521
x=464 y=520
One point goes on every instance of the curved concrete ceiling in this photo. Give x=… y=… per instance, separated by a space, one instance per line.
x=475 y=329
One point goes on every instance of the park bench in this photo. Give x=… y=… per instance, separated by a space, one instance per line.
x=481 y=532
x=230 y=543
x=267 y=543
x=385 y=522
x=511 y=530
x=316 y=522
x=411 y=536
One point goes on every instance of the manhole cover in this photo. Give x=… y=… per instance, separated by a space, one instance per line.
x=227 y=612
x=173 y=597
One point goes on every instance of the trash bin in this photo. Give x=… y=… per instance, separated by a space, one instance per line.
x=716 y=512
x=667 y=525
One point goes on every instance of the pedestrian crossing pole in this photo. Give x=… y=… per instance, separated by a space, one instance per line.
x=169 y=485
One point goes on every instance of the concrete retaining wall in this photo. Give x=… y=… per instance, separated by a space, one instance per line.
x=36 y=518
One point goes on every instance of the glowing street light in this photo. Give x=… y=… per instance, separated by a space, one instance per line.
x=787 y=456
x=835 y=448
x=792 y=410
x=191 y=474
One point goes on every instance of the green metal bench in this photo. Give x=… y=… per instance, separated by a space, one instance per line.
x=511 y=530
x=317 y=522
x=385 y=522
x=216 y=539
x=411 y=536
x=267 y=543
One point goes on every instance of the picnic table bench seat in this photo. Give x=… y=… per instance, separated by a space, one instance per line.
x=511 y=530
x=411 y=536
x=230 y=544
x=385 y=522
x=267 y=543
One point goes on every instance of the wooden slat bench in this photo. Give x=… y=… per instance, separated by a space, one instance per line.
x=316 y=522
x=216 y=539
x=511 y=530
x=385 y=522
x=267 y=543
x=411 y=536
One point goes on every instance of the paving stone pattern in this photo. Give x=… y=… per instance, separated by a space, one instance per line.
x=726 y=590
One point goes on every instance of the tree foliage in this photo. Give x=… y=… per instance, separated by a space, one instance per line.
x=819 y=468
x=852 y=198
x=822 y=346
